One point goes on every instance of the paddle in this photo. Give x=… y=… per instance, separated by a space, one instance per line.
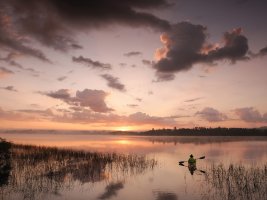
x=181 y=164
x=200 y=158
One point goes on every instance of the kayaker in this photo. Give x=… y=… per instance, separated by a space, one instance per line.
x=191 y=160
x=192 y=164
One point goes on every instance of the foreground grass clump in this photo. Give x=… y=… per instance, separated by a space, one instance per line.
x=237 y=182
x=36 y=172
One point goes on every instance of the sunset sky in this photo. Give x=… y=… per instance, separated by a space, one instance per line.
x=132 y=64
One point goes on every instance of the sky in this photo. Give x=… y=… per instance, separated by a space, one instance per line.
x=132 y=64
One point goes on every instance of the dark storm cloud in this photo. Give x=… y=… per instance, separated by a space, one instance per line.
x=105 y=12
x=9 y=88
x=5 y=72
x=133 y=53
x=94 y=99
x=54 y=23
x=114 y=82
x=90 y=63
x=211 y=115
x=111 y=190
x=185 y=45
x=249 y=114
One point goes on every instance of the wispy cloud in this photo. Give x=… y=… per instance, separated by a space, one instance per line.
x=62 y=78
x=9 y=88
x=192 y=100
x=133 y=53
x=114 y=82
x=5 y=72
x=90 y=63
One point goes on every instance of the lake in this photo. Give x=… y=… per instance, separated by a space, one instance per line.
x=141 y=167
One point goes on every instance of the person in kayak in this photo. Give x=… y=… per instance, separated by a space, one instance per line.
x=192 y=164
x=192 y=160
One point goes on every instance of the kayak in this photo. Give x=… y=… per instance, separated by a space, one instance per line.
x=192 y=166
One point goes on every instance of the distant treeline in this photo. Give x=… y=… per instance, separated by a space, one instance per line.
x=202 y=131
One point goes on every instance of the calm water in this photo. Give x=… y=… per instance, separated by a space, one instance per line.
x=164 y=181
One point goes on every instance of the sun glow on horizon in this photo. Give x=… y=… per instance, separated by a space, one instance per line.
x=124 y=128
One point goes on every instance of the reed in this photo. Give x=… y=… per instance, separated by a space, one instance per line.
x=236 y=182
x=37 y=171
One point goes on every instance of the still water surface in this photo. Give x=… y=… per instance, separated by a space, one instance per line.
x=164 y=181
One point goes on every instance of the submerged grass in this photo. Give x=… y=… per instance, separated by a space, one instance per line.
x=236 y=182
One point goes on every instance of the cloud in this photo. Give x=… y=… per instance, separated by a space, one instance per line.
x=85 y=116
x=22 y=115
x=143 y=118
x=94 y=99
x=150 y=92
x=5 y=72
x=185 y=44
x=133 y=53
x=147 y=62
x=132 y=105
x=54 y=23
x=101 y=13
x=123 y=64
x=192 y=100
x=249 y=114
x=9 y=88
x=262 y=52
x=76 y=46
x=211 y=115
x=111 y=190
x=164 y=77
x=77 y=114
x=90 y=63
x=62 y=78
x=113 y=82
x=62 y=94
x=138 y=99
x=9 y=59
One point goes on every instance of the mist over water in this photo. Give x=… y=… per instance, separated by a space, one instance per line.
x=134 y=167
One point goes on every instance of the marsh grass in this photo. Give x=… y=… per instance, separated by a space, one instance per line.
x=236 y=182
x=37 y=171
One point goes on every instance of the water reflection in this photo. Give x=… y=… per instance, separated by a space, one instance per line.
x=63 y=174
x=5 y=165
x=111 y=190
x=166 y=196
x=38 y=172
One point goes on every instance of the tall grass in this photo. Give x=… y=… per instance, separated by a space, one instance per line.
x=38 y=171
x=236 y=182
